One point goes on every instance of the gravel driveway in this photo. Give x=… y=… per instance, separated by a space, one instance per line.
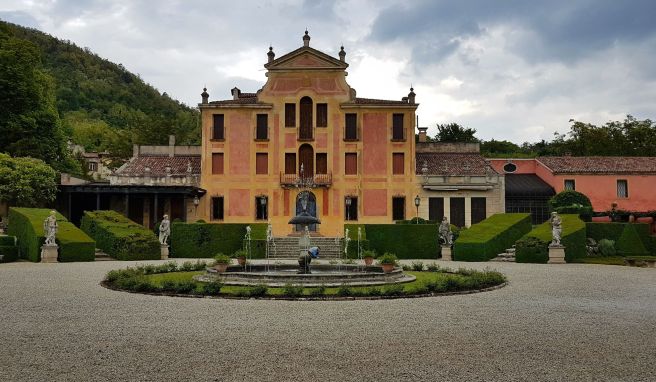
x=552 y=322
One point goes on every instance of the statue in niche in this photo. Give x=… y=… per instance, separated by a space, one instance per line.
x=164 y=230
x=50 y=229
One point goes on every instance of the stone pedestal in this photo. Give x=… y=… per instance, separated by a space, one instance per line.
x=446 y=253
x=556 y=254
x=165 y=251
x=49 y=253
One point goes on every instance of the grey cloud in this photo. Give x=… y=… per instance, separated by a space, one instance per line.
x=20 y=18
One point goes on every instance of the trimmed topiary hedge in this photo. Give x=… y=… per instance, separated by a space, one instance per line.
x=485 y=240
x=406 y=241
x=6 y=240
x=533 y=247
x=8 y=248
x=120 y=237
x=629 y=243
x=208 y=239
x=27 y=226
x=613 y=231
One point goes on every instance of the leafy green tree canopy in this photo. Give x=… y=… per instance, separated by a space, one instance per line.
x=569 y=198
x=453 y=132
x=26 y=182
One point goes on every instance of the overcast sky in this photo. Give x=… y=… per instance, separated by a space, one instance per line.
x=516 y=70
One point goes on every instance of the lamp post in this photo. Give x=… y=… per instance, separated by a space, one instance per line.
x=417 y=201
x=196 y=203
x=263 y=203
x=348 y=208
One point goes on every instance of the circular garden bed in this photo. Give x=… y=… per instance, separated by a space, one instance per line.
x=172 y=279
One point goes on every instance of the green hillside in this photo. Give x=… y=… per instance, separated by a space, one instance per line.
x=102 y=106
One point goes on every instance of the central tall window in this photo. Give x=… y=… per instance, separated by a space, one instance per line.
x=305 y=131
x=351 y=127
x=262 y=127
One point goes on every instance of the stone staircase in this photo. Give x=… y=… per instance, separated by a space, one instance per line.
x=508 y=256
x=102 y=256
x=286 y=247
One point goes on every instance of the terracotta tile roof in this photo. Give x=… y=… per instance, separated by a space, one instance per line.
x=600 y=165
x=453 y=164
x=240 y=100
x=373 y=101
x=247 y=95
x=158 y=163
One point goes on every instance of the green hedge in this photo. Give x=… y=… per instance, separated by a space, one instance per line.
x=207 y=239
x=406 y=241
x=613 y=231
x=27 y=226
x=630 y=243
x=7 y=240
x=9 y=253
x=535 y=250
x=120 y=237
x=485 y=240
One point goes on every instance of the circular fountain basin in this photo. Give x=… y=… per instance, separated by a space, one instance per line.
x=328 y=275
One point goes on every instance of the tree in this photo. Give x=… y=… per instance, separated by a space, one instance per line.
x=26 y=182
x=569 y=198
x=453 y=132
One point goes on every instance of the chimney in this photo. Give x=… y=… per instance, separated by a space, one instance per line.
x=205 y=96
x=271 y=55
x=422 y=133
x=235 y=93
x=342 y=54
x=171 y=145
x=306 y=39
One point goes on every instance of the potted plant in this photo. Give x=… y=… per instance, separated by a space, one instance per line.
x=240 y=255
x=221 y=262
x=387 y=262
x=368 y=256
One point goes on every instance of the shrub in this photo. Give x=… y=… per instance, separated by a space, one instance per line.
x=344 y=291
x=318 y=291
x=432 y=267
x=629 y=243
x=485 y=240
x=184 y=287
x=212 y=288
x=222 y=259
x=394 y=290
x=369 y=253
x=120 y=237
x=240 y=253
x=417 y=266
x=27 y=226
x=291 y=290
x=258 y=290
x=406 y=267
x=613 y=231
x=573 y=238
x=607 y=247
x=388 y=258
x=584 y=212
x=207 y=239
x=374 y=291
x=569 y=198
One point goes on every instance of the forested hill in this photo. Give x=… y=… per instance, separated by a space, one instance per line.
x=102 y=105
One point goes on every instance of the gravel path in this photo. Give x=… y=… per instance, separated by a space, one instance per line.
x=552 y=322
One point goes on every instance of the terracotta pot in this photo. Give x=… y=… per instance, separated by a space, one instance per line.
x=387 y=268
x=221 y=268
x=241 y=260
x=368 y=260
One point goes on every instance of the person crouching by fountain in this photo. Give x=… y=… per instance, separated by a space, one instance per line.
x=306 y=258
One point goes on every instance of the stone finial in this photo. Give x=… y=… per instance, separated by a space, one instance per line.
x=271 y=55
x=411 y=96
x=205 y=96
x=306 y=39
x=342 y=54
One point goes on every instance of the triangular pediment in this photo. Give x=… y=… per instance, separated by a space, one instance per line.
x=306 y=58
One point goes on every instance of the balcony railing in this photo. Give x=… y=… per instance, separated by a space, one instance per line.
x=294 y=180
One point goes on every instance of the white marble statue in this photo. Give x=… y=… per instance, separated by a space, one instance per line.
x=556 y=229
x=164 y=230
x=446 y=236
x=50 y=228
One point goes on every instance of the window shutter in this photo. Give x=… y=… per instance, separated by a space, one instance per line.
x=290 y=163
x=351 y=123
x=351 y=164
x=322 y=115
x=217 y=163
x=397 y=127
x=218 y=131
x=398 y=163
x=290 y=115
x=261 y=163
x=262 y=127
x=322 y=163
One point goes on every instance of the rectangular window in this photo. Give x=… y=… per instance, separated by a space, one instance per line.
x=398 y=208
x=262 y=163
x=290 y=163
x=457 y=211
x=217 y=208
x=262 y=130
x=435 y=209
x=622 y=189
x=290 y=115
x=478 y=210
x=93 y=166
x=398 y=163
x=570 y=184
x=218 y=129
x=322 y=163
x=351 y=164
x=397 y=127
x=322 y=115
x=351 y=208
x=217 y=163
x=351 y=130
x=261 y=208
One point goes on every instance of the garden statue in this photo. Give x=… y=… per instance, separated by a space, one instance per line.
x=445 y=232
x=50 y=228
x=556 y=229
x=164 y=230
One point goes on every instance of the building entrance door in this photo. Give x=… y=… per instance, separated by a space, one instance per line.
x=311 y=208
x=306 y=159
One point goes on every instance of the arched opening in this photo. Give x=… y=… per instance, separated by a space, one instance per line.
x=311 y=208
x=306 y=160
x=305 y=131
